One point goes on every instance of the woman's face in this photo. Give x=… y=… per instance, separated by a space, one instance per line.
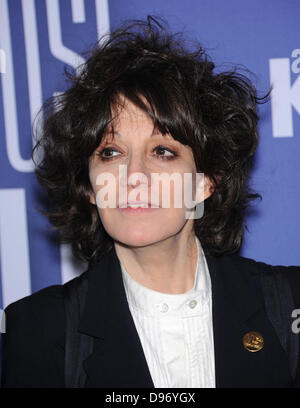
x=141 y=148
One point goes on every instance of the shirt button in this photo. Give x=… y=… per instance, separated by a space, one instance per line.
x=164 y=307
x=192 y=304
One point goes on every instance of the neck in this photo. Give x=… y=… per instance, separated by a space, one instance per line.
x=168 y=266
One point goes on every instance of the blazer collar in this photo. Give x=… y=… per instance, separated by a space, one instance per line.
x=118 y=359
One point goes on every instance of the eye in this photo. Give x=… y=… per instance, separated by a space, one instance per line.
x=161 y=149
x=105 y=153
x=162 y=152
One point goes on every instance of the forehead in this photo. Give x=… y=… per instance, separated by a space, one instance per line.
x=126 y=114
x=126 y=111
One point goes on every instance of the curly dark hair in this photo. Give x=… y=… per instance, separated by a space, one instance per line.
x=214 y=113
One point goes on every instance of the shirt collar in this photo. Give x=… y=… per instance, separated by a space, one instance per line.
x=157 y=304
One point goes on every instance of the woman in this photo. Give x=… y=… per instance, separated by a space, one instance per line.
x=169 y=302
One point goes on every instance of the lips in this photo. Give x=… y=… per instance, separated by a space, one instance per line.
x=138 y=205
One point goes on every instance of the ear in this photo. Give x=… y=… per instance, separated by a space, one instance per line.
x=209 y=187
x=92 y=198
x=205 y=188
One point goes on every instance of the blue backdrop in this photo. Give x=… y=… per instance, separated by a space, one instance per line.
x=39 y=37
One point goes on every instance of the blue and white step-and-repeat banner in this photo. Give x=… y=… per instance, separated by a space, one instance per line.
x=38 y=38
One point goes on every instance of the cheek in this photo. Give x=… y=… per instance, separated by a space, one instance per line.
x=107 y=217
x=180 y=192
x=93 y=178
x=99 y=174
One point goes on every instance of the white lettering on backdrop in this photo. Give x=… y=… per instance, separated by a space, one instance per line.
x=13 y=222
x=285 y=96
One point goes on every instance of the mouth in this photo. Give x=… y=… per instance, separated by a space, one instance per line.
x=138 y=205
x=138 y=208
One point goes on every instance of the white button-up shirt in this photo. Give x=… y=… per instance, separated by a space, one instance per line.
x=176 y=330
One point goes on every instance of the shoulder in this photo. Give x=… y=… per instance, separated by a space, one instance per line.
x=247 y=271
x=36 y=320
x=40 y=303
x=33 y=341
x=254 y=267
x=254 y=270
x=41 y=311
x=44 y=301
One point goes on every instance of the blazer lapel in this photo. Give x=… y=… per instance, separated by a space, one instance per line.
x=238 y=308
x=118 y=359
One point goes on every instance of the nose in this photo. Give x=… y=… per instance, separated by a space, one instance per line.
x=137 y=164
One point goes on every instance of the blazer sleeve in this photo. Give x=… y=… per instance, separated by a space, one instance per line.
x=294 y=278
x=33 y=342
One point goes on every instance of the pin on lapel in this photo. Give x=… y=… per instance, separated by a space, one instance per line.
x=253 y=341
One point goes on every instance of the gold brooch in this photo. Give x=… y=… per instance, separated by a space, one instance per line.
x=253 y=341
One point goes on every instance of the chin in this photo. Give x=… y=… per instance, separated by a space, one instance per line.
x=138 y=238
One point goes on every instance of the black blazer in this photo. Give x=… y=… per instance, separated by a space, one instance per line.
x=33 y=345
